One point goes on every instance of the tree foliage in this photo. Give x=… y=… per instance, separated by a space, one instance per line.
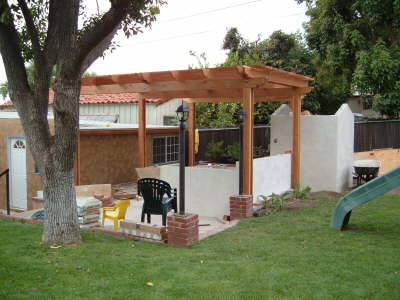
x=357 y=45
x=284 y=51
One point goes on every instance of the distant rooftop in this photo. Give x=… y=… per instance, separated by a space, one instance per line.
x=85 y=124
x=102 y=99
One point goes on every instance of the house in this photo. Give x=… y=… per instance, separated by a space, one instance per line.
x=107 y=154
x=124 y=106
x=359 y=108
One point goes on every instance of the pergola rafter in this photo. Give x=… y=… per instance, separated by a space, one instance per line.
x=246 y=84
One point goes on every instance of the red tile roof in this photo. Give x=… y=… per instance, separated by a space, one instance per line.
x=102 y=99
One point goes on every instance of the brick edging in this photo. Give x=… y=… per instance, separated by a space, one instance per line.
x=121 y=235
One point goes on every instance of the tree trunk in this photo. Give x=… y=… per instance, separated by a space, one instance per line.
x=61 y=218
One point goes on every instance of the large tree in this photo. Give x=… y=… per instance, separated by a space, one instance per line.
x=357 y=44
x=47 y=34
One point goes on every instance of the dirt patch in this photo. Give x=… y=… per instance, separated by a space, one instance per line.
x=297 y=204
x=324 y=194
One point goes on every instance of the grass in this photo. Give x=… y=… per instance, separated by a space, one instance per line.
x=286 y=255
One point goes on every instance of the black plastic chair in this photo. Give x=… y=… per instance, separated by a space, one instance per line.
x=159 y=198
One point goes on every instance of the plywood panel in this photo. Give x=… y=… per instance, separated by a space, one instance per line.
x=389 y=158
x=108 y=159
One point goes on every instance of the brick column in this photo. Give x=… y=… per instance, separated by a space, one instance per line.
x=183 y=230
x=241 y=206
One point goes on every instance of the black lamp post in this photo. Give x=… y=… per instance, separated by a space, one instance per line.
x=182 y=115
x=241 y=117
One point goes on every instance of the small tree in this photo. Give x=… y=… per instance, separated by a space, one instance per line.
x=46 y=33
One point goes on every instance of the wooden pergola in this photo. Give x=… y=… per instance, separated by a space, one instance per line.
x=245 y=84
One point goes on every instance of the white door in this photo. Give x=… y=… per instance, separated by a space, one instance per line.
x=17 y=166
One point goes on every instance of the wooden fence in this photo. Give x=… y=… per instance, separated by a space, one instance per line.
x=368 y=136
x=230 y=136
x=372 y=135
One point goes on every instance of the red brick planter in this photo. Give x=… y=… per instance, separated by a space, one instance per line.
x=241 y=206
x=183 y=230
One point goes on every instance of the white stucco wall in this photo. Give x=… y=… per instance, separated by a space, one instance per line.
x=326 y=146
x=271 y=175
x=207 y=190
x=345 y=147
x=166 y=109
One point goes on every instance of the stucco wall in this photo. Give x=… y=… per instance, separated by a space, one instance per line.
x=271 y=174
x=13 y=127
x=326 y=146
x=345 y=147
x=207 y=189
x=166 y=109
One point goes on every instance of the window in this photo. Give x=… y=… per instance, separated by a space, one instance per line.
x=19 y=145
x=165 y=149
x=170 y=121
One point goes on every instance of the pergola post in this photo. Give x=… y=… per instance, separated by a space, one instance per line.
x=296 y=107
x=142 y=133
x=248 y=107
x=192 y=129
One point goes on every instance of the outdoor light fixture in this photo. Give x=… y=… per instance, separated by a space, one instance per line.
x=241 y=117
x=182 y=114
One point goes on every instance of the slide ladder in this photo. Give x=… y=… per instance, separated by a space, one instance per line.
x=362 y=194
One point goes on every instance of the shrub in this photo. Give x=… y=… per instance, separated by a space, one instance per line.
x=232 y=153
x=215 y=151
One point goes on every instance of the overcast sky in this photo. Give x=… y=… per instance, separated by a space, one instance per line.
x=185 y=25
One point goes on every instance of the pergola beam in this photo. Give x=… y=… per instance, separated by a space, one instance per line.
x=284 y=79
x=213 y=95
x=171 y=86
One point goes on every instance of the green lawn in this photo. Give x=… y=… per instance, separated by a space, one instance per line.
x=286 y=255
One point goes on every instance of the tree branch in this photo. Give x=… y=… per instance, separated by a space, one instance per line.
x=34 y=35
x=12 y=54
x=50 y=45
x=98 y=38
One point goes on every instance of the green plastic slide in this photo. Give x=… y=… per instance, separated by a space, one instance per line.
x=364 y=193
